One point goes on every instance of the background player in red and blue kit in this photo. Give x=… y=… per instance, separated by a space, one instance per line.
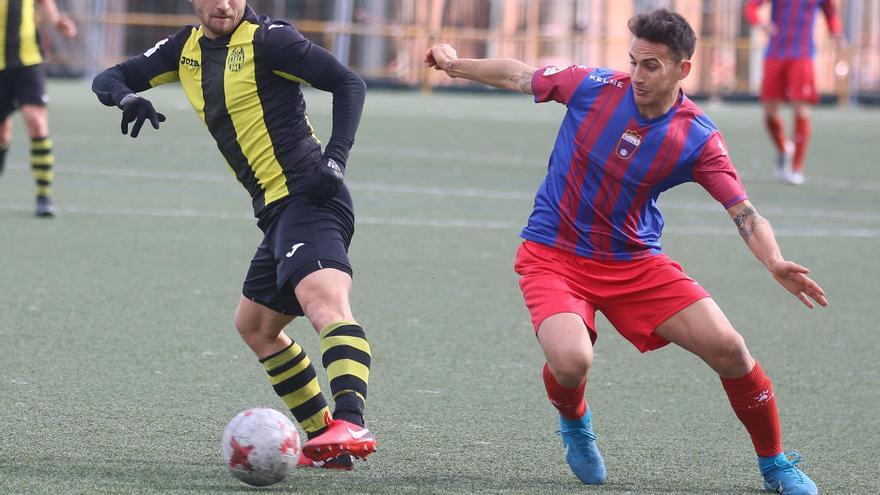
x=789 y=74
x=592 y=241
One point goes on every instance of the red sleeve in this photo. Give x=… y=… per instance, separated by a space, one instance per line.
x=751 y=11
x=716 y=173
x=831 y=17
x=557 y=83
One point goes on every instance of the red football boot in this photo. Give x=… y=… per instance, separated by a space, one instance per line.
x=344 y=462
x=340 y=438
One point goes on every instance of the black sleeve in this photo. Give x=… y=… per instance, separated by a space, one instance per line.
x=156 y=66
x=294 y=55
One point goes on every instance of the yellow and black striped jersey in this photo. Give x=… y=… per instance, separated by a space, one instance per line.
x=19 y=42
x=245 y=86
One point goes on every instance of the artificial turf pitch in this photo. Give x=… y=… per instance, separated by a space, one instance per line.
x=121 y=366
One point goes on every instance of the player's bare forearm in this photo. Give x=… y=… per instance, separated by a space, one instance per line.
x=758 y=235
x=48 y=11
x=503 y=73
x=756 y=232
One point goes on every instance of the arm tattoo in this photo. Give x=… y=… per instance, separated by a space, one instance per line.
x=525 y=82
x=746 y=221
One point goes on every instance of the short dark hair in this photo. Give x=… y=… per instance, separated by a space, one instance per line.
x=669 y=28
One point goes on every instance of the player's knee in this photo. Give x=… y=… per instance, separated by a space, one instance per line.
x=36 y=121
x=246 y=329
x=323 y=312
x=732 y=357
x=38 y=131
x=241 y=324
x=571 y=369
x=325 y=305
x=5 y=132
x=252 y=330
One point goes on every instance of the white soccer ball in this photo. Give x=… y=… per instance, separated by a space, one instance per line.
x=260 y=446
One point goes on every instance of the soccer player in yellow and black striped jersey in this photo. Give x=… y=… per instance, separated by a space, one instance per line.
x=242 y=73
x=23 y=85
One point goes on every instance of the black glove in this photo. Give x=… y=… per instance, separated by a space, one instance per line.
x=325 y=180
x=137 y=109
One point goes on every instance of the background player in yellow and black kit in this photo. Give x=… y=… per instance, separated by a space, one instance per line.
x=23 y=85
x=242 y=73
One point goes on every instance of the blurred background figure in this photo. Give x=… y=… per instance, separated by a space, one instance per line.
x=383 y=40
x=789 y=75
x=23 y=86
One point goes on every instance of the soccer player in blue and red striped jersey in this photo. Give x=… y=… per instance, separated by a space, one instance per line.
x=789 y=75
x=592 y=241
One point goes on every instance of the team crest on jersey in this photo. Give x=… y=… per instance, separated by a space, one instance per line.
x=236 y=59
x=628 y=144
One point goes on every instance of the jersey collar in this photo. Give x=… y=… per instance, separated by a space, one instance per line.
x=646 y=122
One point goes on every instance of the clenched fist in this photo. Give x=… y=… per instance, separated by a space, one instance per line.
x=440 y=56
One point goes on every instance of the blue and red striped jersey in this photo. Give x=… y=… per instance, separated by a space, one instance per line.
x=609 y=165
x=794 y=21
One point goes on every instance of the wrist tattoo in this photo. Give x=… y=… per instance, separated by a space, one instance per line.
x=746 y=221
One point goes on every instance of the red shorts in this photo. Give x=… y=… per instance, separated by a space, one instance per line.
x=789 y=80
x=635 y=296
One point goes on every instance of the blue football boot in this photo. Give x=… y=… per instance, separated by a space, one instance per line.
x=781 y=475
x=581 y=451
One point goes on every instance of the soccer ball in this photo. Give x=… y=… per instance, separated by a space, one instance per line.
x=260 y=446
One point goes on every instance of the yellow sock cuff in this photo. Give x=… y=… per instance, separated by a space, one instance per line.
x=333 y=326
x=317 y=421
x=41 y=144
x=281 y=357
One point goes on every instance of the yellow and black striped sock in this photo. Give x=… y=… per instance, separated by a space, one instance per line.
x=345 y=353
x=4 y=147
x=294 y=379
x=41 y=165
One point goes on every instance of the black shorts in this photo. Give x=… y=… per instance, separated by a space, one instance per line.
x=301 y=238
x=22 y=86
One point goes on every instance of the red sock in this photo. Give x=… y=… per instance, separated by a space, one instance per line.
x=776 y=130
x=569 y=401
x=801 y=140
x=754 y=403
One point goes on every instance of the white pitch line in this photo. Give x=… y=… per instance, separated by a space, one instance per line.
x=443 y=192
x=132 y=173
x=416 y=153
x=824 y=213
x=138 y=212
x=439 y=223
x=779 y=231
x=513 y=227
x=453 y=156
x=440 y=191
